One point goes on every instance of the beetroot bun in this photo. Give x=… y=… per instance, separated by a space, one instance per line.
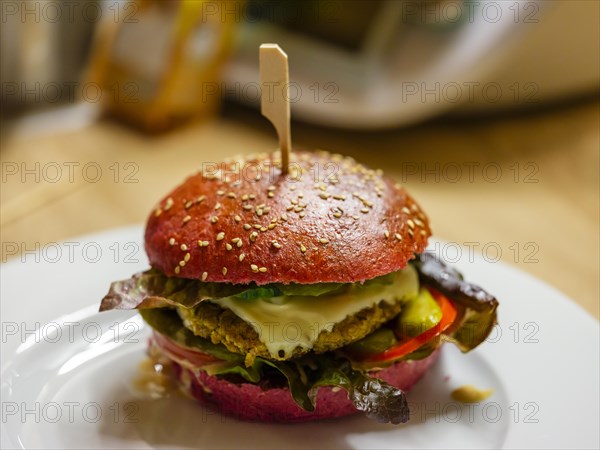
x=253 y=403
x=329 y=219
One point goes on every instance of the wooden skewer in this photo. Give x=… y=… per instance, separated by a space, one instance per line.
x=274 y=102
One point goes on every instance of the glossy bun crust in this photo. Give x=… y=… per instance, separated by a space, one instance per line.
x=328 y=220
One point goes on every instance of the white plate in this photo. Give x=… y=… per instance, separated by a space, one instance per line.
x=67 y=371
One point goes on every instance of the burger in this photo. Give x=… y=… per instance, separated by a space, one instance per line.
x=306 y=294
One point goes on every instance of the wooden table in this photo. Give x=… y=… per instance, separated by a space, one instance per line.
x=524 y=186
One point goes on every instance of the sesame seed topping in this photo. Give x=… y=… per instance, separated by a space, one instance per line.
x=201 y=199
x=204 y=276
x=244 y=197
x=247 y=207
x=324 y=196
x=302 y=248
x=324 y=241
x=271 y=188
x=252 y=196
x=364 y=210
x=276 y=244
x=284 y=217
x=158 y=212
x=217 y=206
x=224 y=270
x=183 y=247
x=237 y=218
x=405 y=210
x=186 y=219
x=202 y=243
x=397 y=236
x=239 y=243
x=337 y=215
x=177 y=269
x=214 y=219
x=187 y=257
x=411 y=232
x=410 y=223
x=247 y=226
x=182 y=263
x=259 y=212
x=220 y=236
x=271 y=226
x=254 y=267
x=302 y=214
x=168 y=204
x=339 y=197
x=228 y=246
x=172 y=241
x=235 y=240
x=262 y=269
x=423 y=233
x=253 y=236
x=188 y=204
x=386 y=233
x=220 y=192
x=241 y=257
x=231 y=195
x=270 y=195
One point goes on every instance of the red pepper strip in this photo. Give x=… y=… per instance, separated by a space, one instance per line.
x=409 y=345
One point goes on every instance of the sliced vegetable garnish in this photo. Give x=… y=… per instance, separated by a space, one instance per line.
x=409 y=345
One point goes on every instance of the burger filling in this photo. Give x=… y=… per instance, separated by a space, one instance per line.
x=323 y=334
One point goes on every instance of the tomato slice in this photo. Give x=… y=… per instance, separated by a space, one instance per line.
x=409 y=345
x=181 y=353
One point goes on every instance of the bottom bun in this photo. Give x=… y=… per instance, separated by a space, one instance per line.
x=251 y=402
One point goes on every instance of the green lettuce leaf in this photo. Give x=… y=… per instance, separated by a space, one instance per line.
x=304 y=376
x=152 y=289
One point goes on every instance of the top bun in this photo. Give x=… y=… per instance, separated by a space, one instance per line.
x=328 y=220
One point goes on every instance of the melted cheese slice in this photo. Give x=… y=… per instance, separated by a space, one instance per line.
x=285 y=323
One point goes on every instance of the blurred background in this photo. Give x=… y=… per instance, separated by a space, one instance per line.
x=486 y=110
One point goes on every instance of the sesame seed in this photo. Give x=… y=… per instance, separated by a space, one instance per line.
x=224 y=270
x=386 y=233
x=182 y=263
x=220 y=236
x=270 y=195
x=239 y=243
x=411 y=224
x=187 y=257
x=423 y=233
x=183 y=247
x=186 y=219
x=247 y=207
x=202 y=243
x=254 y=267
x=259 y=212
x=302 y=214
x=172 y=241
x=177 y=269
x=411 y=232
x=253 y=236
x=204 y=276
x=405 y=210
x=339 y=197
x=294 y=202
x=289 y=208
x=324 y=196
x=257 y=226
x=276 y=244
x=284 y=217
x=419 y=222
x=217 y=206
x=231 y=195
x=188 y=204
x=262 y=269
x=168 y=204
x=302 y=248
x=201 y=199
x=252 y=196
x=397 y=236
x=158 y=212
x=214 y=219
x=235 y=240
x=241 y=257
x=324 y=241
x=228 y=246
x=271 y=226
x=220 y=192
x=244 y=197
x=337 y=215
x=237 y=218
x=271 y=188
x=247 y=226
x=364 y=210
